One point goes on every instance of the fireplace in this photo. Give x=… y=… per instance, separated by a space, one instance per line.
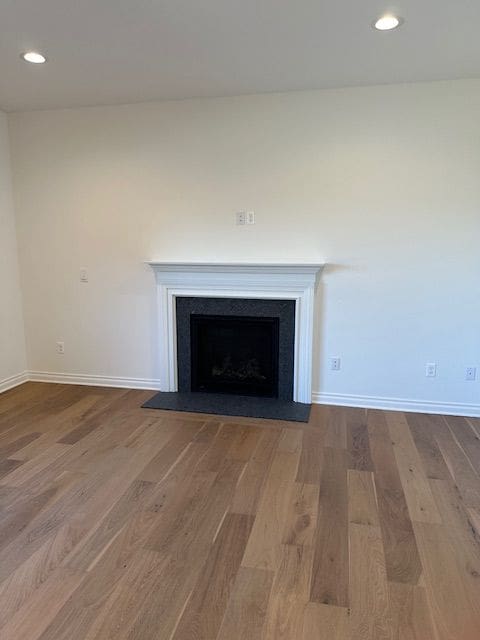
x=234 y=354
x=290 y=288
x=235 y=339
x=236 y=346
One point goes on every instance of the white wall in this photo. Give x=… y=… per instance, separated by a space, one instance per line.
x=381 y=182
x=12 y=338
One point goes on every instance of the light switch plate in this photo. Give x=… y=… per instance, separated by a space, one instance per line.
x=241 y=217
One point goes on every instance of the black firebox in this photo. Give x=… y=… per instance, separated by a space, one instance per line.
x=234 y=354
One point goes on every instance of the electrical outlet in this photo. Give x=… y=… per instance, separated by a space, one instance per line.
x=61 y=347
x=250 y=215
x=430 y=369
x=334 y=364
x=241 y=217
x=83 y=275
x=470 y=373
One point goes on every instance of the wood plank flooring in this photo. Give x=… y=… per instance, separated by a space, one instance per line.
x=122 y=523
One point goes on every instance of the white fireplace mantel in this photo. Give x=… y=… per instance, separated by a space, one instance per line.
x=237 y=280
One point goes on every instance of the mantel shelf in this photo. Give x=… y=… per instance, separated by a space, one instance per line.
x=275 y=267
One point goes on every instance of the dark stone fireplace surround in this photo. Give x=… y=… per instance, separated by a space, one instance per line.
x=284 y=310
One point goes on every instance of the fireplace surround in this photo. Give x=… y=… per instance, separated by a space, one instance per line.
x=243 y=346
x=239 y=282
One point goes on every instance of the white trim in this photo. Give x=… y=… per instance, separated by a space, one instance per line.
x=238 y=267
x=13 y=381
x=336 y=399
x=397 y=404
x=234 y=280
x=94 y=381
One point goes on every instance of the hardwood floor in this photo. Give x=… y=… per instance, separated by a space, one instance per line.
x=133 y=524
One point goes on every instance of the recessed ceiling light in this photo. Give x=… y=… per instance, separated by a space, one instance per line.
x=34 y=57
x=387 y=22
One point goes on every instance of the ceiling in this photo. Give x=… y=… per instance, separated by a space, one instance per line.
x=121 y=51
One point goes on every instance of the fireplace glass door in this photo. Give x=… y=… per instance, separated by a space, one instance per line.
x=234 y=354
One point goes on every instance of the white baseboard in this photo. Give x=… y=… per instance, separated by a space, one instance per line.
x=13 y=381
x=94 y=381
x=339 y=399
x=397 y=404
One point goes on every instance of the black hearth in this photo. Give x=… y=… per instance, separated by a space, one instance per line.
x=234 y=354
